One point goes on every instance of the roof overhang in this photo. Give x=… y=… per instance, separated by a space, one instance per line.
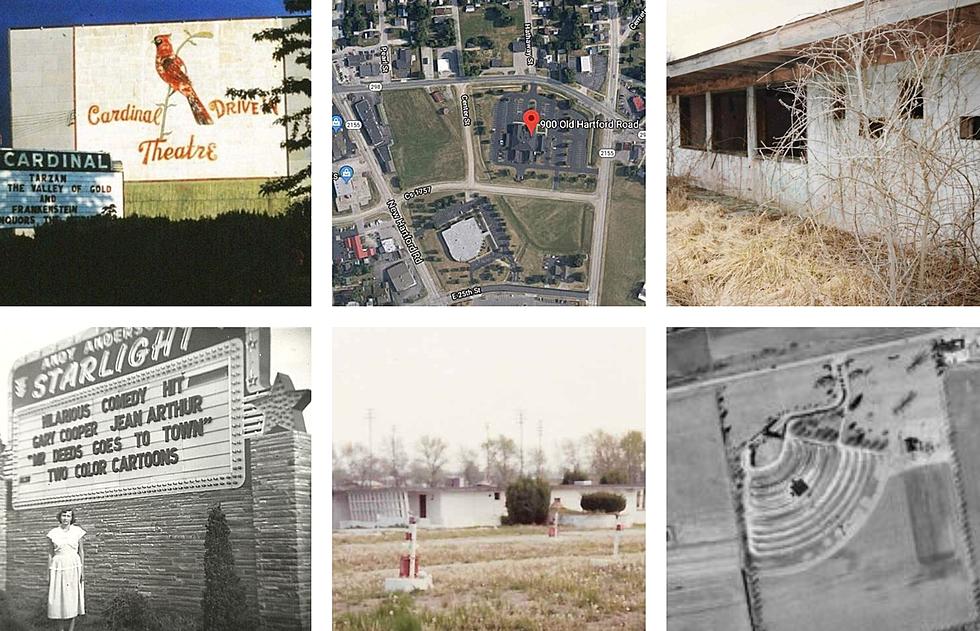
x=768 y=57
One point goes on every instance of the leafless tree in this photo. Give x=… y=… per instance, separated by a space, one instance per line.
x=890 y=149
x=432 y=452
x=469 y=466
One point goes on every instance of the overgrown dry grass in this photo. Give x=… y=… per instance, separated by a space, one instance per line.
x=716 y=256
x=525 y=581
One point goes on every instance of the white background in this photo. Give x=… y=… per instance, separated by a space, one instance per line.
x=115 y=66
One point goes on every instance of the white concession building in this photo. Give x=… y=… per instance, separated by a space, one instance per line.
x=457 y=507
x=830 y=114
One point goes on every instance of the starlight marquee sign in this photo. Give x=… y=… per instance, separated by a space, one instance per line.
x=40 y=186
x=131 y=412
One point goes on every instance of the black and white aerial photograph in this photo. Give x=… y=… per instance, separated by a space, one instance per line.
x=823 y=479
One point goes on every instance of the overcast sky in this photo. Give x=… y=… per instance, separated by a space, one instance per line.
x=290 y=354
x=697 y=25
x=450 y=382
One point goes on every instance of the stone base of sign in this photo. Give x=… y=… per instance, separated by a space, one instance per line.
x=155 y=545
x=399 y=584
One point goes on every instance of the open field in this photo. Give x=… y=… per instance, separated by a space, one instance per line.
x=207 y=198
x=508 y=580
x=699 y=503
x=875 y=582
x=540 y=228
x=428 y=146
x=962 y=390
x=625 y=264
x=476 y=23
x=704 y=588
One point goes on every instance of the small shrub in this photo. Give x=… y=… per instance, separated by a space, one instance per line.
x=574 y=475
x=527 y=501
x=613 y=477
x=603 y=502
x=127 y=612
x=223 y=604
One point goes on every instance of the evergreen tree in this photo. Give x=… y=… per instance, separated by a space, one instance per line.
x=224 y=606
x=293 y=40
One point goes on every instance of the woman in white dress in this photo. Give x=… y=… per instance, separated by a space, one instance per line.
x=66 y=570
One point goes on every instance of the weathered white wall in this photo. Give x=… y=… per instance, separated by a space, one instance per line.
x=813 y=186
x=341 y=510
x=41 y=80
x=571 y=498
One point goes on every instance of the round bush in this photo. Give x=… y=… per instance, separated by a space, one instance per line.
x=603 y=502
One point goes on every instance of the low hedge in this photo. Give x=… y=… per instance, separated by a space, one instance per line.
x=603 y=502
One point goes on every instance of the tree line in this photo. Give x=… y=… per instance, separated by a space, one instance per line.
x=598 y=456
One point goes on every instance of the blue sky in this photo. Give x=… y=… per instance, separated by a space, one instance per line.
x=26 y=13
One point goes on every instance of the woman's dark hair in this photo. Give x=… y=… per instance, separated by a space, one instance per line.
x=67 y=509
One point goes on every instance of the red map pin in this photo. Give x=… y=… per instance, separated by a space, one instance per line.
x=531 y=118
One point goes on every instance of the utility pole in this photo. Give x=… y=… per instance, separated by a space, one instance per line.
x=520 y=421
x=540 y=450
x=486 y=450
x=370 y=421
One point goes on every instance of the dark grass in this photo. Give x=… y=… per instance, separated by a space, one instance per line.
x=236 y=258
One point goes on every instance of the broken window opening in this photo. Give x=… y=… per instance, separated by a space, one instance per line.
x=970 y=127
x=838 y=109
x=729 y=127
x=912 y=102
x=780 y=116
x=872 y=128
x=694 y=125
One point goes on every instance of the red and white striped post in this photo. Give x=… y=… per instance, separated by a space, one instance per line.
x=553 y=527
x=616 y=537
x=409 y=562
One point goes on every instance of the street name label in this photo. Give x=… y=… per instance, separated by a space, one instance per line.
x=599 y=123
x=528 y=54
x=469 y=292
x=385 y=60
x=407 y=237
x=464 y=106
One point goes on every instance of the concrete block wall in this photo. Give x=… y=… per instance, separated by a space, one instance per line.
x=155 y=545
x=281 y=470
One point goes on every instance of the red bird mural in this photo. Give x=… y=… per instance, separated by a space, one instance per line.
x=171 y=69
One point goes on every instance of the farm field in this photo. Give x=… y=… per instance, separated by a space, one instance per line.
x=877 y=580
x=699 y=502
x=962 y=389
x=428 y=146
x=704 y=588
x=625 y=265
x=540 y=228
x=500 y=579
x=477 y=23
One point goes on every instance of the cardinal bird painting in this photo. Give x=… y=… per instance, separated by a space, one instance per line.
x=172 y=70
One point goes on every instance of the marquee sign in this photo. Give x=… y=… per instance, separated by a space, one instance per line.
x=131 y=412
x=155 y=96
x=40 y=186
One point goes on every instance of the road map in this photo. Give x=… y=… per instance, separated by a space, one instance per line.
x=488 y=153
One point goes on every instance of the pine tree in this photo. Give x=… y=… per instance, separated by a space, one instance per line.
x=293 y=40
x=224 y=606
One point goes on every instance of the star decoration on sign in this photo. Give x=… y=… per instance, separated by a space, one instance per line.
x=283 y=406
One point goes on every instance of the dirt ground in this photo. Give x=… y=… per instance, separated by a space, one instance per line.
x=494 y=580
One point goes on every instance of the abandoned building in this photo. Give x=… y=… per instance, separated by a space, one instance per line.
x=824 y=115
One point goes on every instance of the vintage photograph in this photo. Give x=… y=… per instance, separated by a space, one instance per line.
x=156 y=153
x=822 y=479
x=156 y=478
x=823 y=152
x=489 y=479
